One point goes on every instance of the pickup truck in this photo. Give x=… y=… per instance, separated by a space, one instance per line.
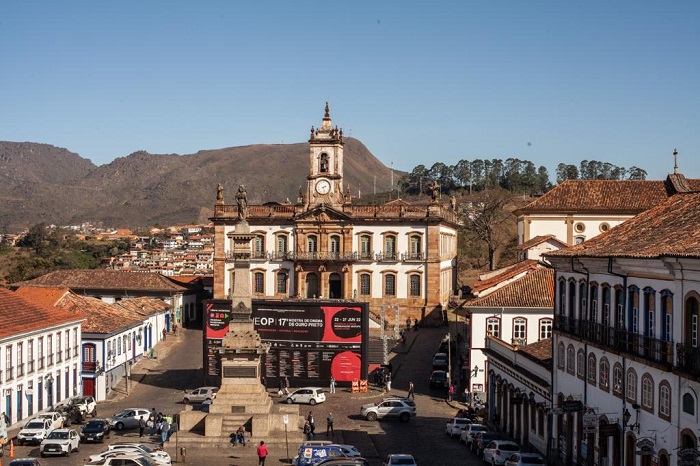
x=86 y=404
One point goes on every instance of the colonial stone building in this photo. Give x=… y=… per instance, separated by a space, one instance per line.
x=326 y=246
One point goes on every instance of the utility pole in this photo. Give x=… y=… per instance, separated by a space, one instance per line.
x=375 y=185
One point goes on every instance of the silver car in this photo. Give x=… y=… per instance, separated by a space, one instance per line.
x=128 y=418
x=399 y=408
x=200 y=395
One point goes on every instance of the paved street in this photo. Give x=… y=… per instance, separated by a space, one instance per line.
x=159 y=383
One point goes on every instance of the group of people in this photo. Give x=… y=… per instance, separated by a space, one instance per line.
x=309 y=428
x=415 y=323
x=157 y=424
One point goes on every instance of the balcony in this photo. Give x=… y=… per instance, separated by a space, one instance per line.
x=89 y=366
x=621 y=340
x=688 y=359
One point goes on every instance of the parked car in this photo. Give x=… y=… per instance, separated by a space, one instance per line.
x=26 y=462
x=353 y=461
x=60 y=442
x=524 y=459
x=200 y=395
x=310 y=395
x=455 y=425
x=71 y=414
x=34 y=431
x=314 y=454
x=128 y=418
x=467 y=435
x=399 y=459
x=481 y=439
x=55 y=418
x=95 y=430
x=101 y=457
x=130 y=459
x=86 y=404
x=438 y=379
x=497 y=451
x=153 y=453
x=440 y=361
x=397 y=408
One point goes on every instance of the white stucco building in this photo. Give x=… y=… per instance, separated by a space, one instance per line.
x=627 y=342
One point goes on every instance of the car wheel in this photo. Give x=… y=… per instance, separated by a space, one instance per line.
x=186 y=401
x=119 y=426
x=371 y=416
x=405 y=417
x=208 y=400
x=67 y=424
x=94 y=413
x=77 y=447
x=289 y=401
x=312 y=402
x=43 y=455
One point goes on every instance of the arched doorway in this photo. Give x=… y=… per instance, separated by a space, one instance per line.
x=630 y=450
x=312 y=285
x=335 y=286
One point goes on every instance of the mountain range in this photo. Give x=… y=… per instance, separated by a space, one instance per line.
x=44 y=183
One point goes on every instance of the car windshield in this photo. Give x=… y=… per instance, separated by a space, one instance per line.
x=509 y=447
x=402 y=461
x=35 y=425
x=462 y=421
x=480 y=428
x=94 y=424
x=531 y=460
x=58 y=435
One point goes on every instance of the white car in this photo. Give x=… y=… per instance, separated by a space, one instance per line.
x=101 y=457
x=161 y=456
x=60 y=442
x=200 y=395
x=34 y=431
x=310 y=395
x=126 y=459
x=399 y=459
x=467 y=435
x=55 y=418
x=86 y=404
x=455 y=425
x=525 y=459
x=498 y=451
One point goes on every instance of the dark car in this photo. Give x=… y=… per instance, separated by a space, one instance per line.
x=354 y=461
x=71 y=414
x=438 y=379
x=95 y=431
x=26 y=462
x=483 y=438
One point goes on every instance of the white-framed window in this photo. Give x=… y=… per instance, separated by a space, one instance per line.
x=365 y=247
x=259 y=246
x=632 y=386
x=416 y=248
x=561 y=356
x=665 y=399
x=493 y=327
x=617 y=380
x=604 y=374
x=312 y=243
x=390 y=246
x=335 y=244
x=592 y=365
x=580 y=363
x=647 y=392
x=570 y=360
x=282 y=247
x=519 y=329
x=545 y=329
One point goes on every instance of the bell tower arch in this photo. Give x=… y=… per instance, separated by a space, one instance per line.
x=325 y=179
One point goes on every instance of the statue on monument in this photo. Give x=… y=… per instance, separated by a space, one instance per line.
x=219 y=193
x=435 y=188
x=242 y=201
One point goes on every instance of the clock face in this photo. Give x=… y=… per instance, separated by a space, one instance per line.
x=323 y=186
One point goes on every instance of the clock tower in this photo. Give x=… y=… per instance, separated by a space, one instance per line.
x=325 y=180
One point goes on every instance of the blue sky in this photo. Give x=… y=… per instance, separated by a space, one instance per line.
x=417 y=82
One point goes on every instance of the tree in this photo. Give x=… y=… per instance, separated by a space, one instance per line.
x=487 y=218
x=637 y=173
x=566 y=172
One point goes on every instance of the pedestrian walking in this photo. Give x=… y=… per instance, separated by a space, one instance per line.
x=408 y=323
x=164 y=333
x=164 y=429
x=329 y=425
x=332 y=384
x=286 y=385
x=387 y=381
x=450 y=392
x=262 y=453
x=307 y=431
x=415 y=323
x=411 y=394
x=142 y=426
x=174 y=329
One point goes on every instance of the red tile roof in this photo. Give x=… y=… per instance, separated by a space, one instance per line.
x=19 y=315
x=47 y=296
x=540 y=351
x=144 y=307
x=606 y=196
x=671 y=229
x=506 y=273
x=101 y=317
x=538 y=240
x=100 y=279
x=536 y=289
